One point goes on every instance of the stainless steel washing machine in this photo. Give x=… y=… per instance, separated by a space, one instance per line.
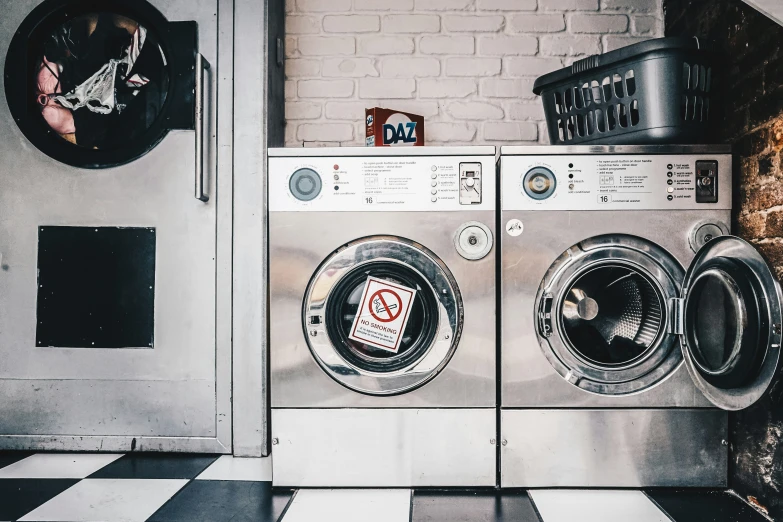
x=382 y=316
x=630 y=318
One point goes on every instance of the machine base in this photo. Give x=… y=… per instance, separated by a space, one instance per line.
x=383 y=447
x=614 y=448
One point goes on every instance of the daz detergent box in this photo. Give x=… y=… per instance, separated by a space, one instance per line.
x=388 y=128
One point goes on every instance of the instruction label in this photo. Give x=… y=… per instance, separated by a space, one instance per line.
x=383 y=314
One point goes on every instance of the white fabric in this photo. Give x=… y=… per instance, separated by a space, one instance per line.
x=97 y=93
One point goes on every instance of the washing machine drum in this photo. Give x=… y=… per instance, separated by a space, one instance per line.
x=382 y=315
x=612 y=315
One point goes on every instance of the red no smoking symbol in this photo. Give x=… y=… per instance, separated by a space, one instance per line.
x=385 y=305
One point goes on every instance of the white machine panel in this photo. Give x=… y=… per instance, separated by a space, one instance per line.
x=394 y=447
x=616 y=182
x=381 y=183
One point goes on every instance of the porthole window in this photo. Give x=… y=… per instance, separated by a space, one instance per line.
x=99 y=84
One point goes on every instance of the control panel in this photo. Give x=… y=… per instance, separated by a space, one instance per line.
x=615 y=182
x=381 y=183
x=470 y=188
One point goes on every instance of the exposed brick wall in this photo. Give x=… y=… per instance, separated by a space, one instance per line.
x=750 y=115
x=466 y=65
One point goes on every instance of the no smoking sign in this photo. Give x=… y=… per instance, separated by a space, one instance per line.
x=383 y=314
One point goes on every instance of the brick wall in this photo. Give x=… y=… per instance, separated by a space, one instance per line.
x=466 y=65
x=750 y=116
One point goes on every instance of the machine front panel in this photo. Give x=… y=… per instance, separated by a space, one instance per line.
x=381 y=184
x=616 y=182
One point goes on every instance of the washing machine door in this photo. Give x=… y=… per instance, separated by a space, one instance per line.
x=382 y=315
x=96 y=84
x=730 y=323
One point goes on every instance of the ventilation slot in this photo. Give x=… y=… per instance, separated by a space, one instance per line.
x=600 y=122
x=630 y=83
x=559 y=105
x=618 y=86
x=634 y=113
x=606 y=84
x=622 y=115
x=611 y=117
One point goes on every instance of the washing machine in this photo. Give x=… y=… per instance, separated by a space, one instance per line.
x=113 y=163
x=382 y=316
x=631 y=320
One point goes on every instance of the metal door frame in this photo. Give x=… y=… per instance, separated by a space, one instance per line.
x=222 y=442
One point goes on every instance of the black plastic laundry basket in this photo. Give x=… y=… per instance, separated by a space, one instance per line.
x=656 y=91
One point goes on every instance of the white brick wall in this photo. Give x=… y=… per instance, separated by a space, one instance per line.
x=468 y=66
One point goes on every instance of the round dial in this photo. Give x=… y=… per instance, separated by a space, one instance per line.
x=539 y=183
x=305 y=184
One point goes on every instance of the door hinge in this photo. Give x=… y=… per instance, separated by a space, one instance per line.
x=545 y=315
x=280 y=52
x=677 y=313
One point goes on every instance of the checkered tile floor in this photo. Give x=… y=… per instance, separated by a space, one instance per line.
x=195 y=488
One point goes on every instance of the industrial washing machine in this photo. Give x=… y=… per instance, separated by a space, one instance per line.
x=631 y=320
x=116 y=224
x=382 y=316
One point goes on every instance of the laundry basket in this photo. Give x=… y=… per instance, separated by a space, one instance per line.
x=656 y=91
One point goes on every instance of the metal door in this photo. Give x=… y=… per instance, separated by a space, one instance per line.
x=334 y=301
x=108 y=234
x=730 y=323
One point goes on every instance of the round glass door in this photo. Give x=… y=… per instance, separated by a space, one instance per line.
x=382 y=315
x=99 y=84
x=603 y=314
x=732 y=323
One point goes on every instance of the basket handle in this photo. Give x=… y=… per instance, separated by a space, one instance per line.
x=585 y=64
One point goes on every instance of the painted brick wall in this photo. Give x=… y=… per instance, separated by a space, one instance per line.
x=466 y=65
x=749 y=115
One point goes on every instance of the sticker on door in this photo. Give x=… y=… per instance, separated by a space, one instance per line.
x=383 y=314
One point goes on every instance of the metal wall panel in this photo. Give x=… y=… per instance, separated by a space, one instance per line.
x=614 y=448
x=383 y=447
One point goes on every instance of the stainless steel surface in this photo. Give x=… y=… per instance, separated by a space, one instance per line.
x=473 y=240
x=177 y=396
x=202 y=66
x=318 y=152
x=258 y=122
x=617 y=329
x=573 y=182
x=528 y=378
x=556 y=150
x=384 y=447
x=614 y=448
x=704 y=232
x=736 y=397
x=301 y=241
x=424 y=183
x=407 y=254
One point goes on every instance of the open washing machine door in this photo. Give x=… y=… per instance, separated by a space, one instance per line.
x=729 y=322
x=382 y=315
x=602 y=314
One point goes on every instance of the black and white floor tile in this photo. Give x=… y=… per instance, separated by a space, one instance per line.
x=195 y=488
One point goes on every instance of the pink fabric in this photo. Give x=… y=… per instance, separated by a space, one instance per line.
x=59 y=118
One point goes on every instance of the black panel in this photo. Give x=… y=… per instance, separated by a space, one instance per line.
x=96 y=287
x=686 y=505
x=18 y=497
x=224 y=501
x=156 y=466
x=472 y=506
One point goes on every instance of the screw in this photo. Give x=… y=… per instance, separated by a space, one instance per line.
x=447 y=337
x=313 y=333
x=275 y=442
x=707 y=238
x=492 y=441
x=472 y=240
x=504 y=442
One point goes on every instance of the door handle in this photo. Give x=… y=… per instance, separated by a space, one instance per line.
x=202 y=66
